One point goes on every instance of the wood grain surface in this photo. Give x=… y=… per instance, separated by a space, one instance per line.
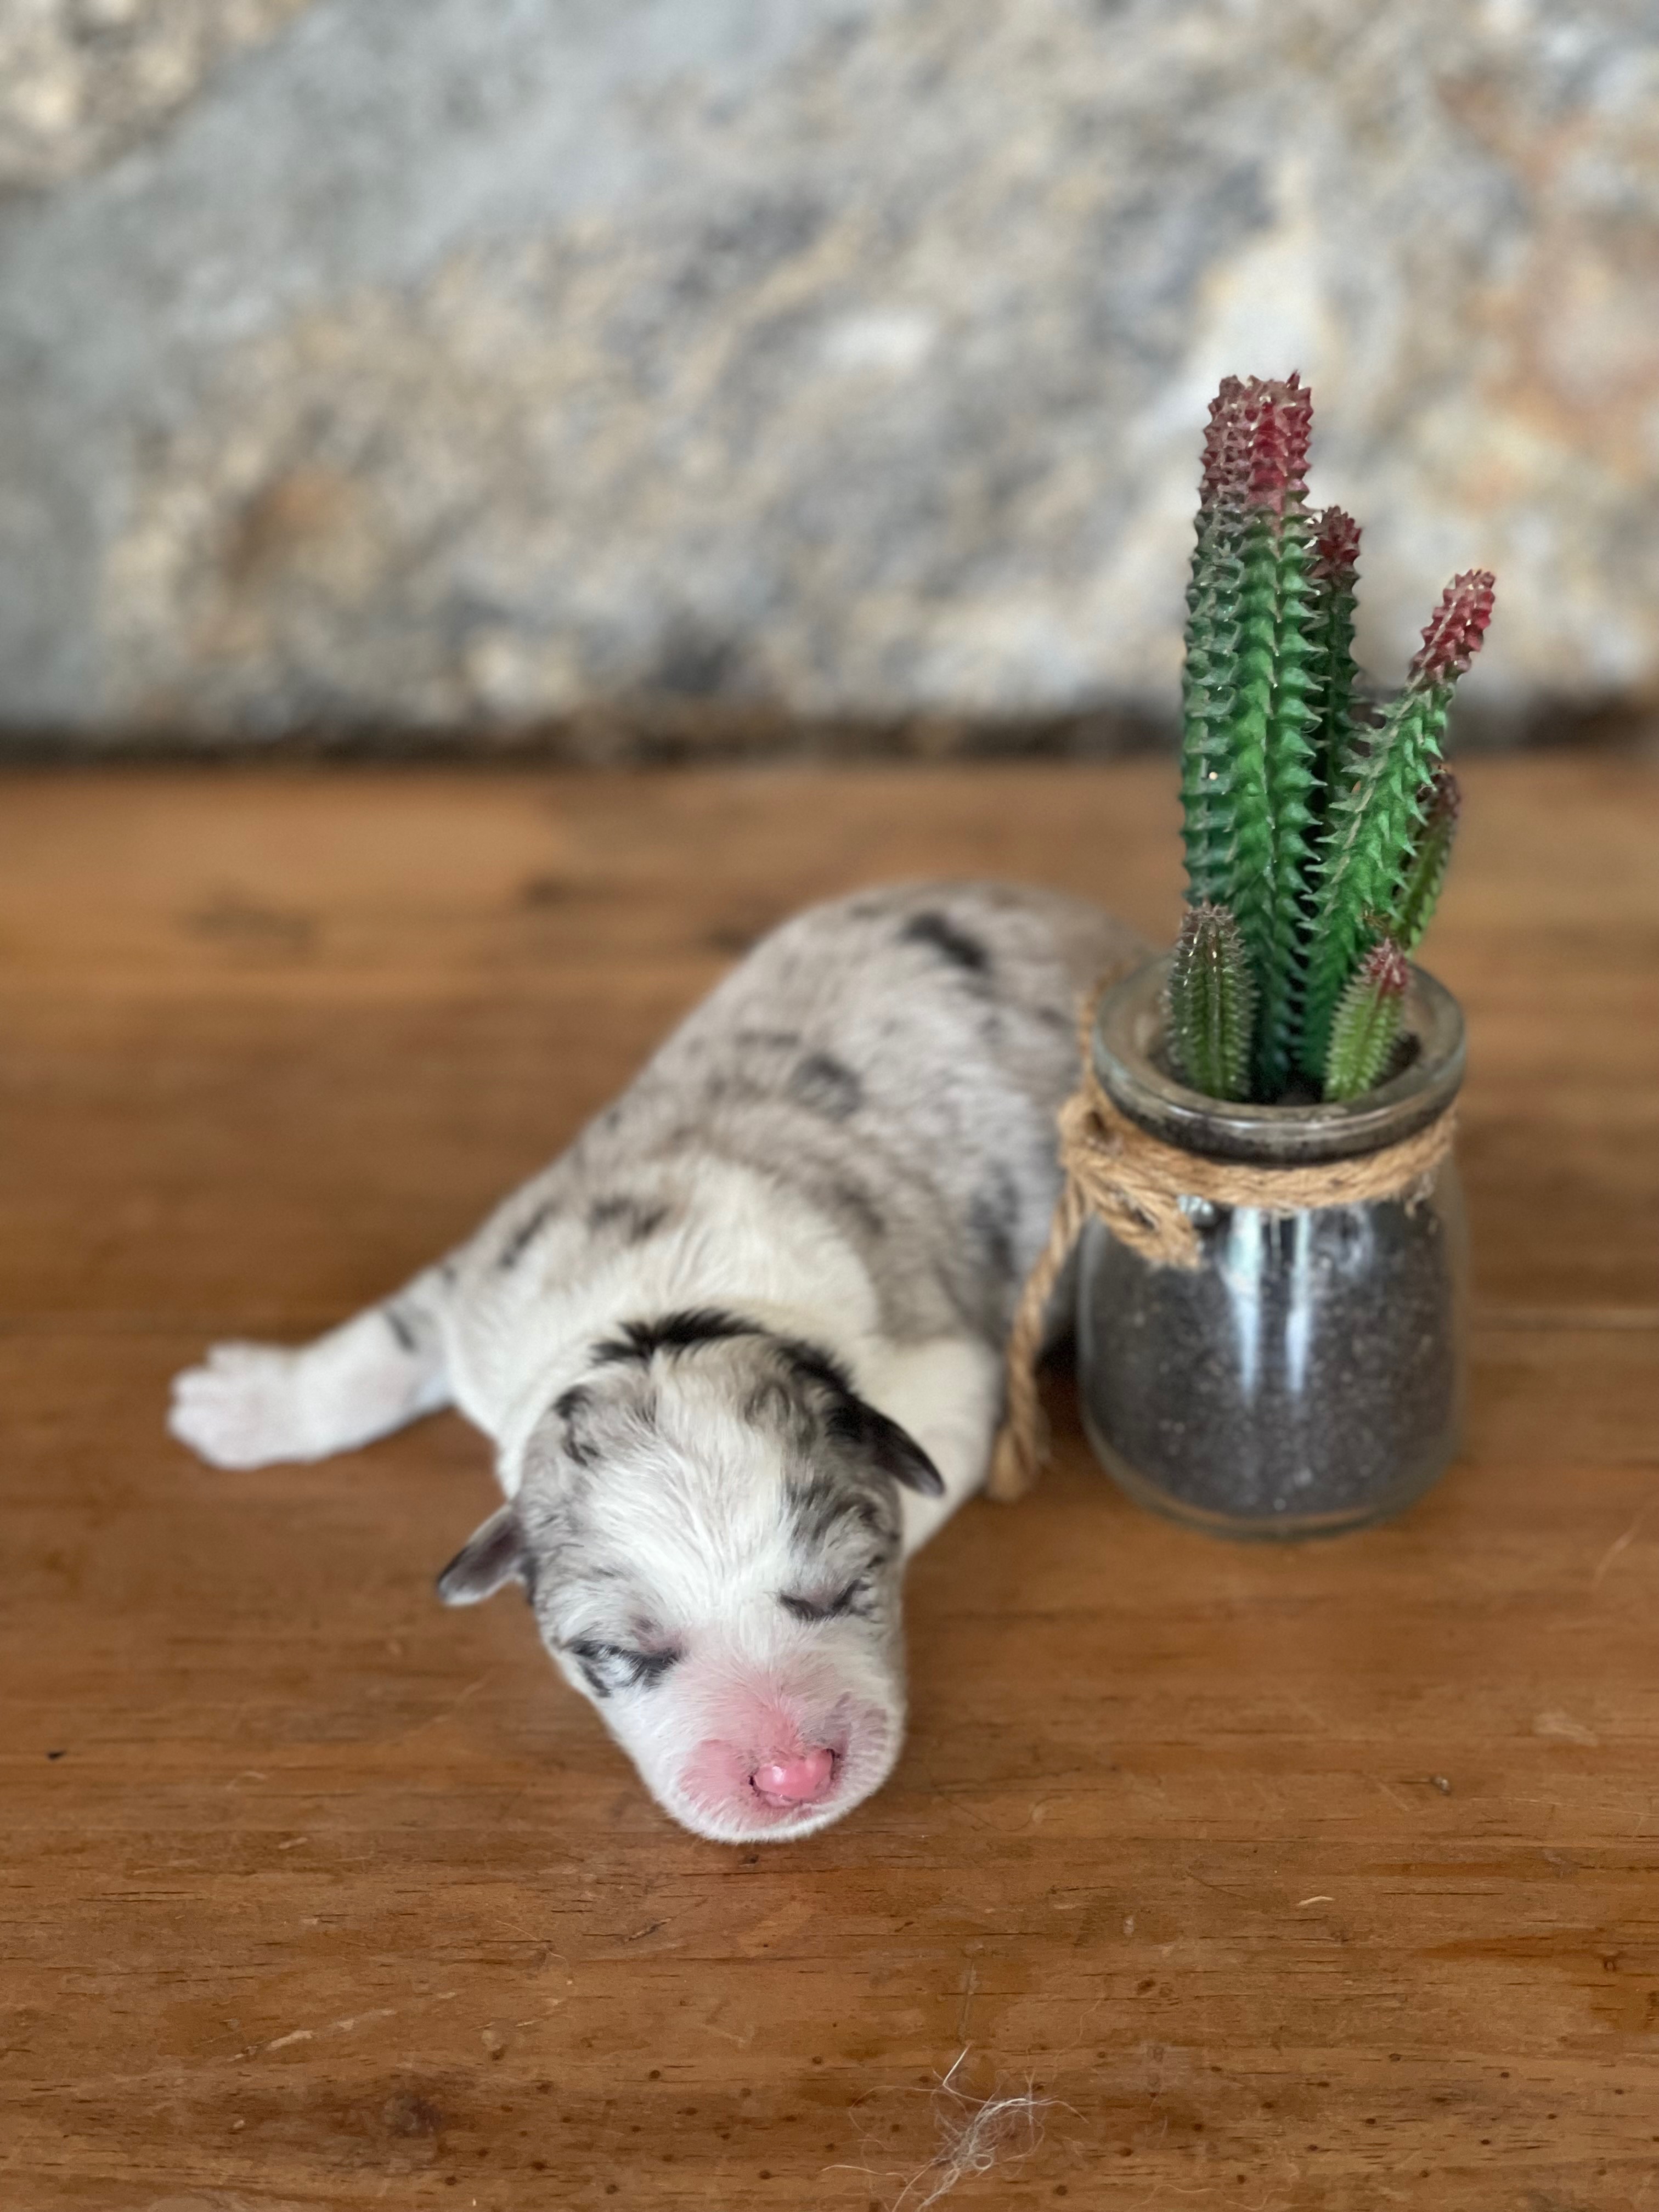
x=1316 y=1879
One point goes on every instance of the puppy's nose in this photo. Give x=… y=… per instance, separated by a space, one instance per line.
x=801 y=1781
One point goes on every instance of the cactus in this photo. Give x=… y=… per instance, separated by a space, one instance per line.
x=1311 y=824
x=1209 y=680
x=1376 y=817
x=1425 y=870
x=1335 y=575
x=1249 y=762
x=1211 y=1004
x=1366 y=1029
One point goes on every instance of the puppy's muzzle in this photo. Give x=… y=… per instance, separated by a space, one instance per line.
x=781 y=1767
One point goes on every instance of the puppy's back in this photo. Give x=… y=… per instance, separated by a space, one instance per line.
x=898 y=1056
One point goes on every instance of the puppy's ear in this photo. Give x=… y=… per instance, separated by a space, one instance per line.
x=493 y=1555
x=855 y=1422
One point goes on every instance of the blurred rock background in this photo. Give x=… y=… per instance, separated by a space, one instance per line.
x=637 y=371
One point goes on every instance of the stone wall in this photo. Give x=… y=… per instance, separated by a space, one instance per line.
x=411 y=364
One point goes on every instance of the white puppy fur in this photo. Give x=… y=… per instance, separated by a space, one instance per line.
x=739 y=1348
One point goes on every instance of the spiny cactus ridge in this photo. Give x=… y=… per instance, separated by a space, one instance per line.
x=1336 y=575
x=1378 y=813
x=1252 y=689
x=1426 y=871
x=1366 y=1029
x=1314 y=825
x=1211 y=1004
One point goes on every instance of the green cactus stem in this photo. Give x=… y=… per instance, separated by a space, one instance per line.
x=1426 y=871
x=1366 y=1029
x=1211 y=1004
x=1377 y=816
x=1251 y=692
x=1210 y=672
x=1335 y=575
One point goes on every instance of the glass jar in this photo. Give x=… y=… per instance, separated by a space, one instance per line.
x=1307 y=1376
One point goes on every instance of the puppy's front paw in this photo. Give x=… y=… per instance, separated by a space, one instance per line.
x=243 y=1407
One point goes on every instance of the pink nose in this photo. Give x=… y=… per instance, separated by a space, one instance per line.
x=797 y=1781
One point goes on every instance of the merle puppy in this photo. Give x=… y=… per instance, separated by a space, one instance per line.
x=739 y=1348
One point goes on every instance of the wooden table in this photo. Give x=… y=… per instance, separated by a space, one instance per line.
x=1322 y=1878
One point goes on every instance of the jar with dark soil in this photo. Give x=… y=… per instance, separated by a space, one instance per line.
x=1306 y=1378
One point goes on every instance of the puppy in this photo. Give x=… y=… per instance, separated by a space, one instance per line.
x=739 y=1349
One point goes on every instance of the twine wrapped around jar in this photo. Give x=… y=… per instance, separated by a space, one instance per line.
x=1134 y=1182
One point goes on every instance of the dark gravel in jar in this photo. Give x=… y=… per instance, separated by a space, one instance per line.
x=1305 y=1375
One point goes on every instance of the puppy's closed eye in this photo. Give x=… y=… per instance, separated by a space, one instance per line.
x=608 y=1666
x=849 y=1600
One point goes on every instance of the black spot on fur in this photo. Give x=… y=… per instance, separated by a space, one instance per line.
x=826 y=1085
x=726 y=1088
x=770 y=1040
x=636 y=1220
x=809 y=1363
x=992 y=1234
x=572 y=1408
x=938 y=932
x=641 y=1341
x=992 y=1216
x=525 y=1235
x=852 y=1199
x=399 y=1328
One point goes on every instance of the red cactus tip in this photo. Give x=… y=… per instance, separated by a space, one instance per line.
x=1455 y=628
x=1336 y=549
x=1255 y=449
x=1386 y=969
